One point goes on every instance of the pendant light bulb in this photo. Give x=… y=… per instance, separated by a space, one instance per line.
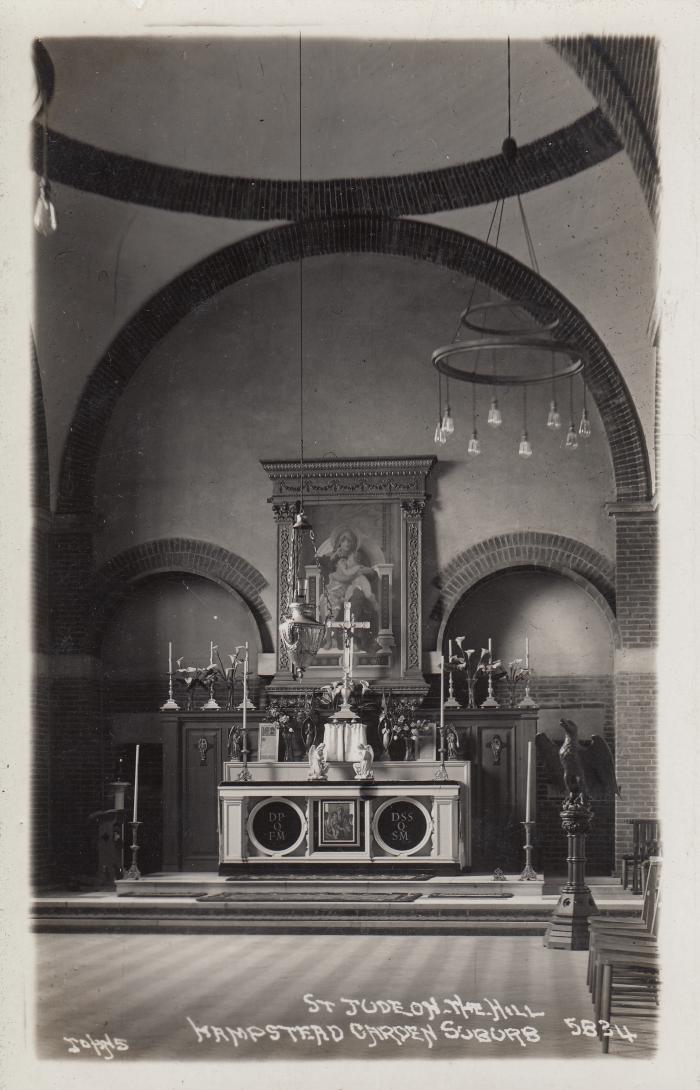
x=554 y=418
x=474 y=444
x=525 y=448
x=45 y=213
x=439 y=436
x=448 y=424
x=584 y=428
x=571 y=439
x=494 y=418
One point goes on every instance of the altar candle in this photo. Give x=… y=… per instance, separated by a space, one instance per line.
x=442 y=693
x=170 y=658
x=528 y=796
x=527 y=654
x=450 y=651
x=136 y=782
x=211 y=653
x=490 y=655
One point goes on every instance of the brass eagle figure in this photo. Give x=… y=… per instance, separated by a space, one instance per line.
x=584 y=768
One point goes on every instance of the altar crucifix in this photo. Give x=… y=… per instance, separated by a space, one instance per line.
x=343 y=734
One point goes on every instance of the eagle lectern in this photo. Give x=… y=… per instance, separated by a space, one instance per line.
x=581 y=767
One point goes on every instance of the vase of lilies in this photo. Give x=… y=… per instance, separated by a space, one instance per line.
x=515 y=673
x=471 y=667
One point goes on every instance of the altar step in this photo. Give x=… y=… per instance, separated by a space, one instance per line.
x=464 y=904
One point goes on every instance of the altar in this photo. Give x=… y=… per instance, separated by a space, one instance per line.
x=343 y=822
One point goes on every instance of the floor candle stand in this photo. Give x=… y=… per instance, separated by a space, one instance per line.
x=133 y=873
x=528 y=874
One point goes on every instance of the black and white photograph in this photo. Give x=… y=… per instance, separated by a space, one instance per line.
x=357 y=720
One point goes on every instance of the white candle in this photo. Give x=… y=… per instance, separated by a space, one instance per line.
x=136 y=783
x=211 y=653
x=528 y=795
x=450 y=651
x=442 y=692
x=490 y=655
x=170 y=658
x=527 y=654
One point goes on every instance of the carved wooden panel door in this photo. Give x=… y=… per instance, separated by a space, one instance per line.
x=201 y=774
x=496 y=840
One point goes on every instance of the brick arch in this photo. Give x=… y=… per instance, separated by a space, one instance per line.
x=417 y=241
x=523 y=549
x=230 y=571
x=589 y=140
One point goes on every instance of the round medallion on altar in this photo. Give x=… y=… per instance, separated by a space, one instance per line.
x=402 y=826
x=276 y=826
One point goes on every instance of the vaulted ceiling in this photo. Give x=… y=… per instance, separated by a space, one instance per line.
x=164 y=150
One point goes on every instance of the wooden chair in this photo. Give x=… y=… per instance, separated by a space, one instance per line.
x=646 y=841
x=624 y=958
x=644 y=927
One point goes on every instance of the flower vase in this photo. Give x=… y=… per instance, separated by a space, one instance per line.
x=471 y=685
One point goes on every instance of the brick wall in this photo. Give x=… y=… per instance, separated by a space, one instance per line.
x=635 y=688
x=77 y=773
x=637 y=581
x=635 y=714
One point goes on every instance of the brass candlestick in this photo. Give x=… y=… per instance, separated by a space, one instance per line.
x=441 y=772
x=245 y=774
x=133 y=873
x=528 y=874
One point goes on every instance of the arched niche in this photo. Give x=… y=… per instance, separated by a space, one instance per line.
x=188 y=610
x=568 y=633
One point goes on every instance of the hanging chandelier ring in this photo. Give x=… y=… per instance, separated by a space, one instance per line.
x=542 y=315
x=440 y=360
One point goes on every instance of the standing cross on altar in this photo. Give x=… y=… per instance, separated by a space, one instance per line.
x=348 y=626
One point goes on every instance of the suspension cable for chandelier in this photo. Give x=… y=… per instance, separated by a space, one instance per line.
x=514 y=347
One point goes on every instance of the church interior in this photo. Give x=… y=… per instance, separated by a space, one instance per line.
x=346 y=420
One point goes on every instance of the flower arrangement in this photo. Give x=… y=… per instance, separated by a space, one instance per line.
x=514 y=674
x=473 y=668
x=398 y=721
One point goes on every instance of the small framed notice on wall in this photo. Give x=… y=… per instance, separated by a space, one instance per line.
x=268 y=742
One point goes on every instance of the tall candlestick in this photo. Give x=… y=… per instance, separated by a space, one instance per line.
x=528 y=795
x=170 y=658
x=136 y=783
x=442 y=693
x=245 y=692
x=527 y=654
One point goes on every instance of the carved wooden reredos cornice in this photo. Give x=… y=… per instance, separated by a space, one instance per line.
x=333 y=479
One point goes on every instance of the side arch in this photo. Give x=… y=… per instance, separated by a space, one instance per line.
x=416 y=241
x=232 y=572
x=523 y=549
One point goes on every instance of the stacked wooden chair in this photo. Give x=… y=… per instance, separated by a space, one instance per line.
x=623 y=958
x=646 y=842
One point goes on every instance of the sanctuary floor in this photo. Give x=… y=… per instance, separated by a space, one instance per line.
x=213 y=997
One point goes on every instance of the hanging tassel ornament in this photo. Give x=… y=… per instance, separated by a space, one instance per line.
x=584 y=428
x=474 y=446
x=44 y=213
x=525 y=448
x=571 y=437
x=440 y=434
